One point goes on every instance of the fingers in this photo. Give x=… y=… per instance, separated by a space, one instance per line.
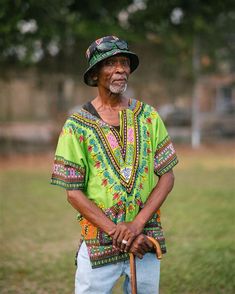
x=112 y=232
x=125 y=246
x=120 y=235
x=121 y=245
x=144 y=247
x=141 y=246
x=139 y=255
x=138 y=252
x=123 y=232
x=124 y=241
x=115 y=237
x=149 y=244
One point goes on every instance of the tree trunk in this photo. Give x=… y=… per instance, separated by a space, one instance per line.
x=196 y=129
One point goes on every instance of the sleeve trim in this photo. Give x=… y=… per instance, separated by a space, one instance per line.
x=165 y=157
x=167 y=168
x=67 y=174
x=67 y=186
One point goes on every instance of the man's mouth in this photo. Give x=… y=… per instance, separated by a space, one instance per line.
x=120 y=80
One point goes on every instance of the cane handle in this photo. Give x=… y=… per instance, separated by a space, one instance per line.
x=157 y=247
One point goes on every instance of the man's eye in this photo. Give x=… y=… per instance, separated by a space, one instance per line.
x=125 y=62
x=109 y=62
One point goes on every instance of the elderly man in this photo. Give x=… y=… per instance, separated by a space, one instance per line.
x=107 y=157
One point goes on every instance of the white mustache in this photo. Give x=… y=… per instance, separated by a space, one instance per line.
x=119 y=77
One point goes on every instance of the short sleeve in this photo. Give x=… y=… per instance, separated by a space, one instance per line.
x=165 y=157
x=70 y=168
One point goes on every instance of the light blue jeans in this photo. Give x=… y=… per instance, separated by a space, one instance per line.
x=101 y=280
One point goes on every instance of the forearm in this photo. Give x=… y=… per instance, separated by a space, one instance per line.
x=156 y=199
x=90 y=210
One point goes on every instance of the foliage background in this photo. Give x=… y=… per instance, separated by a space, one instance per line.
x=30 y=29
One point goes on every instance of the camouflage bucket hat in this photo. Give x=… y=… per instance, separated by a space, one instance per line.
x=104 y=48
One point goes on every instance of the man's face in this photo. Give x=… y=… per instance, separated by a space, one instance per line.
x=113 y=74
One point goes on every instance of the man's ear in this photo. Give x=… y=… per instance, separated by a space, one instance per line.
x=94 y=74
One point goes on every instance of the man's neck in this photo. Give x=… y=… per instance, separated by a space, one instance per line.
x=110 y=100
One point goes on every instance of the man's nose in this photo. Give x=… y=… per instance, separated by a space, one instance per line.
x=120 y=67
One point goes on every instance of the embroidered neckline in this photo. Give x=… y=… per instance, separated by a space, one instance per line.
x=132 y=105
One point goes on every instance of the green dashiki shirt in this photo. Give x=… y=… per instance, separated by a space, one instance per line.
x=115 y=169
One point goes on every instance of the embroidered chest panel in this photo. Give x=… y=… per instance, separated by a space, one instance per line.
x=122 y=149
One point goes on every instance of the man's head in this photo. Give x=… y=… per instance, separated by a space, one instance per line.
x=112 y=73
x=105 y=50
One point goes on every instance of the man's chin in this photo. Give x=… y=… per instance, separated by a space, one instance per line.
x=118 y=89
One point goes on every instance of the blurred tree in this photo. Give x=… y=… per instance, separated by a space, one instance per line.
x=31 y=30
x=195 y=35
x=177 y=25
x=194 y=32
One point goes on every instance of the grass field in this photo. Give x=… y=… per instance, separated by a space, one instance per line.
x=39 y=232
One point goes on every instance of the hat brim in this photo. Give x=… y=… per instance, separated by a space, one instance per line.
x=134 y=62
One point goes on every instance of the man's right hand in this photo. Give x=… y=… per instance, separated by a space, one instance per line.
x=141 y=245
x=125 y=231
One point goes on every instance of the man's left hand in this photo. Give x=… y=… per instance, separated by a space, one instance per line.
x=141 y=245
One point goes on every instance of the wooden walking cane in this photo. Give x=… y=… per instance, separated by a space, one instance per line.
x=133 y=267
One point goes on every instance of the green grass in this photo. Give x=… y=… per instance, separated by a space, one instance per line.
x=39 y=232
